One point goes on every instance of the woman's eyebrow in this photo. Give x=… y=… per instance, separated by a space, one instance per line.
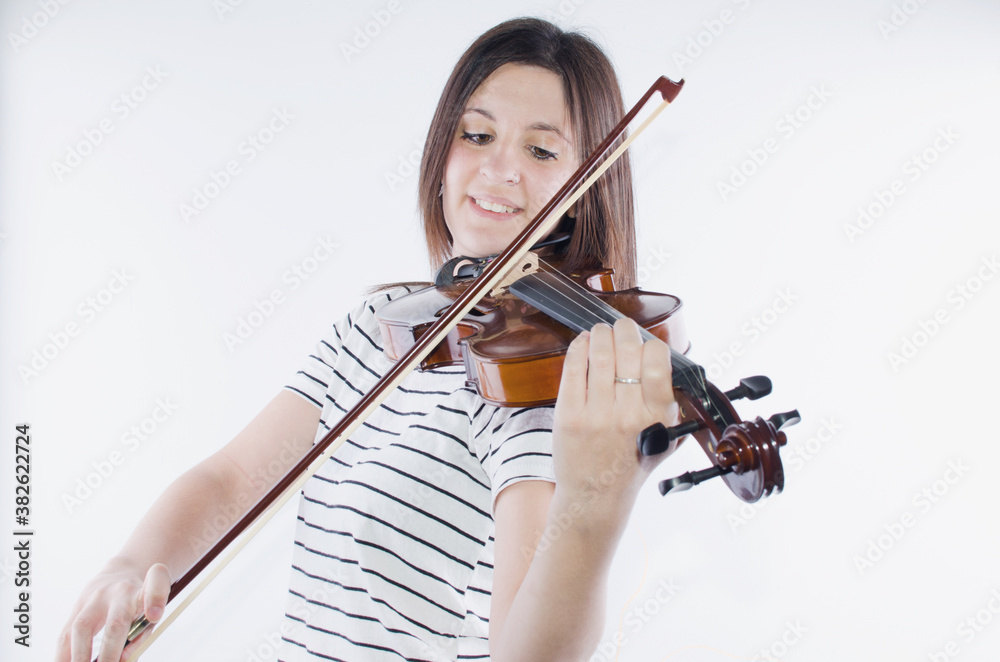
x=537 y=126
x=479 y=111
x=545 y=126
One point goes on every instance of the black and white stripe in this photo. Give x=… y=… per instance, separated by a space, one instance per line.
x=393 y=556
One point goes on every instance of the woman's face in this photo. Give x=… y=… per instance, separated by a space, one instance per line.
x=512 y=151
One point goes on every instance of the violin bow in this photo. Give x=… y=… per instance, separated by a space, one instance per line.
x=261 y=513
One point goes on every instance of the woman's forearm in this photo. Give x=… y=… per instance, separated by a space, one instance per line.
x=200 y=506
x=558 y=613
x=188 y=517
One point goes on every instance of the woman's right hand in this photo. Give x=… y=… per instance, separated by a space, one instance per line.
x=112 y=600
x=128 y=585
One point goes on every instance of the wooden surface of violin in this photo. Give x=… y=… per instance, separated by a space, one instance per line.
x=512 y=352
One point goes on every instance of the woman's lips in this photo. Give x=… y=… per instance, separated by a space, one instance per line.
x=494 y=207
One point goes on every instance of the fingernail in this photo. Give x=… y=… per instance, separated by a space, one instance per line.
x=154 y=613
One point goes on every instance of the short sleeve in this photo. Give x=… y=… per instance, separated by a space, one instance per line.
x=313 y=380
x=516 y=445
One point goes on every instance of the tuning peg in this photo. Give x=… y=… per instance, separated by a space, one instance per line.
x=751 y=388
x=690 y=479
x=786 y=419
x=657 y=438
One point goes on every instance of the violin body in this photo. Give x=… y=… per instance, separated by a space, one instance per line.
x=513 y=345
x=513 y=353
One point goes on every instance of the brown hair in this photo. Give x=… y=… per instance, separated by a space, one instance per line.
x=605 y=215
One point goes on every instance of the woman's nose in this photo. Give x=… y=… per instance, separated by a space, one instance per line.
x=499 y=166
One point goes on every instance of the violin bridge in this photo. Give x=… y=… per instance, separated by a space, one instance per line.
x=527 y=265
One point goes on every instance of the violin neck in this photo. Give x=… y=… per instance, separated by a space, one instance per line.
x=571 y=304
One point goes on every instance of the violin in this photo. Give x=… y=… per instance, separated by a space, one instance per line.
x=513 y=343
x=744 y=453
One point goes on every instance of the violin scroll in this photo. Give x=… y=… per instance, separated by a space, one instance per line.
x=746 y=454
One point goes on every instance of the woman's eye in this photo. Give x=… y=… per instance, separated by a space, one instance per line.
x=477 y=138
x=541 y=154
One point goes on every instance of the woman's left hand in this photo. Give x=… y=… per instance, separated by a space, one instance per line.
x=597 y=419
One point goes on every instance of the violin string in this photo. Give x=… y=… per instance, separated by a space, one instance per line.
x=573 y=313
x=591 y=310
x=684 y=368
x=579 y=309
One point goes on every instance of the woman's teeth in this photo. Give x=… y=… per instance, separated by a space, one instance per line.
x=493 y=206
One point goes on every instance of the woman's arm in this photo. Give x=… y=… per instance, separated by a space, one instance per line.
x=190 y=515
x=549 y=599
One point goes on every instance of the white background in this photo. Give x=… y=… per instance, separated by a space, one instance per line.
x=828 y=570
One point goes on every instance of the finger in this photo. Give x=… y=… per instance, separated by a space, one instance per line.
x=63 y=650
x=573 y=383
x=601 y=365
x=628 y=359
x=155 y=591
x=128 y=655
x=120 y=616
x=657 y=382
x=84 y=627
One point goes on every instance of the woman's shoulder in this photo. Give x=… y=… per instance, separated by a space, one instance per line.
x=384 y=294
x=363 y=319
x=366 y=309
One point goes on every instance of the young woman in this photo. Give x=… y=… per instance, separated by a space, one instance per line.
x=445 y=527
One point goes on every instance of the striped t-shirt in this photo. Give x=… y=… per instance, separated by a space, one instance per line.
x=393 y=556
